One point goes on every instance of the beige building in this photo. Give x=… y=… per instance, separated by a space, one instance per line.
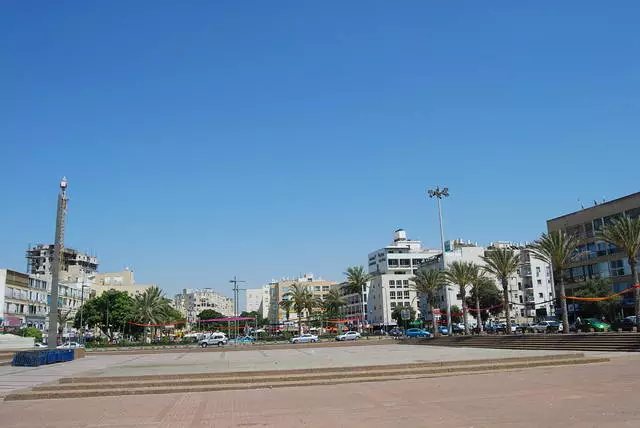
x=120 y=281
x=278 y=290
x=599 y=259
x=193 y=301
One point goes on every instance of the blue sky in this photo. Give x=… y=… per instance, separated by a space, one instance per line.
x=262 y=139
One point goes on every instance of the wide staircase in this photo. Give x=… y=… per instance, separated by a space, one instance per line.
x=606 y=342
x=78 y=387
x=6 y=357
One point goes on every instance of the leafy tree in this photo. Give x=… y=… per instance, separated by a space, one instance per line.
x=63 y=317
x=32 y=332
x=333 y=302
x=503 y=264
x=455 y=314
x=112 y=307
x=259 y=319
x=597 y=288
x=624 y=233
x=429 y=283
x=558 y=249
x=209 y=314
x=396 y=314
x=484 y=294
x=302 y=300
x=357 y=280
x=462 y=274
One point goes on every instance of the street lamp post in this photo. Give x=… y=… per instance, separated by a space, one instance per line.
x=439 y=194
x=52 y=340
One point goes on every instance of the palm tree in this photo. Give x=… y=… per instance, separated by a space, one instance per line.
x=479 y=283
x=429 y=282
x=301 y=300
x=558 y=249
x=63 y=317
x=357 y=282
x=286 y=304
x=333 y=302
x=502 y=263
x=461 y=274
x=151 y=307
x=624 y=233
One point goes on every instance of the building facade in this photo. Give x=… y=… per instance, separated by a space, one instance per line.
x=278 y=291
x=257 y=299
x=598 y=259
x=120 y=281
x=73 y=264
x=193 y=301
x=391 y=269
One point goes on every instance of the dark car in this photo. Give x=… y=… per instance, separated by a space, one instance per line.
x=396 y=332
x=625 y=324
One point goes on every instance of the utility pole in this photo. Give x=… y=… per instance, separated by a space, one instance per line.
x=52 y=340
x=439 y=194
x=236 y=306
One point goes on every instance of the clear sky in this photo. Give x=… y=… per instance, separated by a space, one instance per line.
x=265 y=139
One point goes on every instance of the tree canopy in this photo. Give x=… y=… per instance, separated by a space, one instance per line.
x=112 y=307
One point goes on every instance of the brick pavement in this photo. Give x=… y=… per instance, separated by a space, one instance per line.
x=601 y=395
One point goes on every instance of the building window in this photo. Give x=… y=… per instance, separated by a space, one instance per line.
x=405 y=262
x=541 y=295
x=325 y=288
x=392 y=294
x=317 y=288
x=406 y=294
x=392 y=262
x=393 y=305
x=405 y=281
x=539 y=282
x=392 y=282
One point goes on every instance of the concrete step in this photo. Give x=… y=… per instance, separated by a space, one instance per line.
x=274 y=380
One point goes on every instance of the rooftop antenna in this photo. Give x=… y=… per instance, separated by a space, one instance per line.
x=581 y=204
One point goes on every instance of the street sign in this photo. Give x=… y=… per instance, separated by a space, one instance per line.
x=405 y=314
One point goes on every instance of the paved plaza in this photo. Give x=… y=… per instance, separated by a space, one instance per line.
x=595 y=395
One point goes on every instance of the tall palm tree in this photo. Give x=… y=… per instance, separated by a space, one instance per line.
x=461 y=274
x=151 y=306
x=479 y=283
x=558 y=249
x=357 y=281
x=503 y=264
x=301 y=300
x=429 y=282
x=624 y=233
x=333 y=302
x=285 y=304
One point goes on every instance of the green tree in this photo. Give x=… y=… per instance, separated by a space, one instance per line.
x=209 y=314
x=597 y=288
x=484 y=294
x=151 y=307
x=503 y=264
x=63 y=318
x=112 y=307
x=333 y=302
x=259 y=319
x=32 y=332
x=558 y=249
x=462 y=274
x=302 y=300
x=429 y=283
x=624 y=233
x=455 y=314
x=357 y=280
x=396 y=314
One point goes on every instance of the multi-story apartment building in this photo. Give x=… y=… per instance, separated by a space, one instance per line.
x=279 y=289
x=23 y=300
x=120 y=281
x=195 y=301
x=391 y=269
x=597 y=258
x=257 y=299
x=530 y=288
x=73 y=264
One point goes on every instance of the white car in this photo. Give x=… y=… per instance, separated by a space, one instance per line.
x=40 y=345
x=70 y=345
x=217 y=339
x=350 y=335
x=305 y=338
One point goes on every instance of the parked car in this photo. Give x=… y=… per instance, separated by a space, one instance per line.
x=70 y=345
x=625 y=324
x=593 y=323
x=40 y=345
x=304 y=338
x=443 y=330
x=214 y=339
x=417 y=333
x=546 y=327
x=243 y=339
x=396 y=332
x=350 y=335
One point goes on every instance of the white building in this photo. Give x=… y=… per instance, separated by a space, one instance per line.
x=391 y=269
x=258 y=300
x=195 y=301
x=530 y=288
